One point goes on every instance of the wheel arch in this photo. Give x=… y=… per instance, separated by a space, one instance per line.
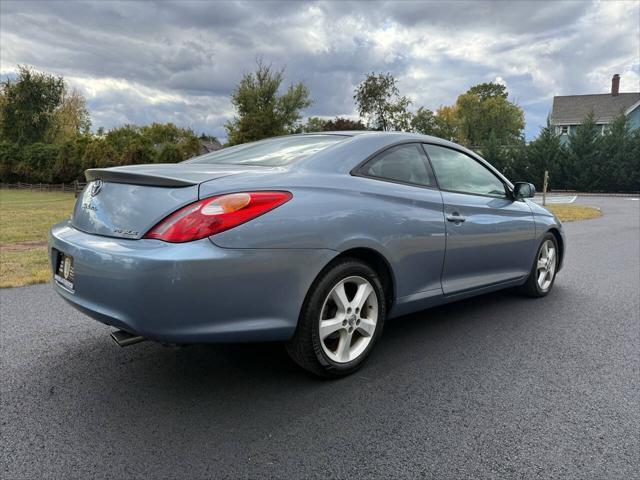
x=556 y=233
x=380 y=265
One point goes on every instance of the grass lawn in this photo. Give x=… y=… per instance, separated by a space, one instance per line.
x=571 y=212
x=26 y=216
x=25 y=219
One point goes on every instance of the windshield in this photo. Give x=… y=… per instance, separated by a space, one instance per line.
x=272 y=152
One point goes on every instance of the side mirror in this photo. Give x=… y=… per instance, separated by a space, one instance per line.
x=523 y=190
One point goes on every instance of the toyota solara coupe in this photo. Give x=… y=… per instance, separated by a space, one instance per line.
x=313 y=240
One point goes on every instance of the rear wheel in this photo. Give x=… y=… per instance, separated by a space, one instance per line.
x=543 y=271
x=341 y=320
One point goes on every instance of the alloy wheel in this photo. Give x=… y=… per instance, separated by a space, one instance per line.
x=546 y=266
x=348 y=319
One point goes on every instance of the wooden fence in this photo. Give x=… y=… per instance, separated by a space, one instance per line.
x=73 y=187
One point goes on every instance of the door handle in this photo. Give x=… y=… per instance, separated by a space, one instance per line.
x=455 y=218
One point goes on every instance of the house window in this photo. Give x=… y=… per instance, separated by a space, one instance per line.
x=564 y=130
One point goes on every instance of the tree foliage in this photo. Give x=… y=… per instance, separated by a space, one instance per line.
x=316 y=124
x=28 y=105
x=261 y=111
x=482 y=118
x=378 y=100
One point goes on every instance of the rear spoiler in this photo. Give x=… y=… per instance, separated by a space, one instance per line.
x=136 y=178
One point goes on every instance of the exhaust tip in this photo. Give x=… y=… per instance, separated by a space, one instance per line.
x=124 y=339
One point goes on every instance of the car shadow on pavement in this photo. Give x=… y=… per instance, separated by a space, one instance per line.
x=234 y=366
x=152 y=397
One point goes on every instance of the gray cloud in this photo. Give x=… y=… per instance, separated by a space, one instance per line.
x=139 y=62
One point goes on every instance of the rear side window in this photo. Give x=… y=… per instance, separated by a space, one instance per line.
x=404 y=163
x=461 y=173
x=272 y=152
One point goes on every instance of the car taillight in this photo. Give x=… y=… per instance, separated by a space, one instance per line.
x=215 y=214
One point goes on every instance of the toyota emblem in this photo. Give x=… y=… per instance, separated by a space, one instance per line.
x=96 y=187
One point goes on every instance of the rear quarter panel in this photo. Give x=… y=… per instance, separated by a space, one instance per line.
x=405 y=224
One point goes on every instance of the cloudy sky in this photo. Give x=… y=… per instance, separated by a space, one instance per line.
x=179 y=61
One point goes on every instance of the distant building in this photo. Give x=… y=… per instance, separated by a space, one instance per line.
x=570 y=110
x=208 y=146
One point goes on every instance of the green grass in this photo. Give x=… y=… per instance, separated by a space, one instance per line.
x=25 y=219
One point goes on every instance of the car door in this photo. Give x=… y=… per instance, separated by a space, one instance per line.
x=399 y=181
x=489 y=236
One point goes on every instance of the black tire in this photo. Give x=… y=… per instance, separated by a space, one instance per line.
x=531 y=287
x=305 y=348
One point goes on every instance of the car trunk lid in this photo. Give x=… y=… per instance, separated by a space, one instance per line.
x=126 y=202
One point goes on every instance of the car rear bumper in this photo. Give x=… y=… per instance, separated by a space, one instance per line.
x=192 y=292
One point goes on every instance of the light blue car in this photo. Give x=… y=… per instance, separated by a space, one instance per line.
x=314 y=240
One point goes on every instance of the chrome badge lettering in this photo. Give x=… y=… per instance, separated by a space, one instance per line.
x=126 y=232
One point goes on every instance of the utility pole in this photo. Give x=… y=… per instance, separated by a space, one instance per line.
x=544 y=187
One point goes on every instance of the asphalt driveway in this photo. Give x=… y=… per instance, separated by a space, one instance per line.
x=497 y=386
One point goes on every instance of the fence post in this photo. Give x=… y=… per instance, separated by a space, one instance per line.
x=544 y=187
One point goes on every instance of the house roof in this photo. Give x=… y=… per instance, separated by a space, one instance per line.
x=207 y=146
x=572 y=109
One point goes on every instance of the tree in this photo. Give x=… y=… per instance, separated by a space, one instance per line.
x=28 y=104
x=583 y=150
x=69 y=119
x=261 y=111
x=545 y=152
x=378 y=100
x=316 y=124
x=68 y=164
x=36 y=162
x=481 y=117
x=619 y=166
x=169 y=154
x=99 y=154
x=447 y=123
x=484 y=91
x=424 y=121
x=340 y=124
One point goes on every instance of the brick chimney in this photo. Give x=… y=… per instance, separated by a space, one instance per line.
x=615 y=85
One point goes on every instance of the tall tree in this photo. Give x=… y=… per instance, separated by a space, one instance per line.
x=484 y=91
x=583 y=151
x=378 y=100
x=447 y=123
x=482 y=117
x=424 y=121
x=545 y=152
x=261 y=111
x=69 y=119
x=28 y=104
x=619 y=166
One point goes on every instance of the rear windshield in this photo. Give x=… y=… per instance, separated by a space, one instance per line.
x=272 y=152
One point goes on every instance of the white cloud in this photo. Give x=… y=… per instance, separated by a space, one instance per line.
x=179 y=61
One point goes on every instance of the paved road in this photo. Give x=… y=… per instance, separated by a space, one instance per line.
x=499 y=386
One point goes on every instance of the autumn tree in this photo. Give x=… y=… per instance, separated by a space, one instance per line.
x=484 y=113
x=69 y=119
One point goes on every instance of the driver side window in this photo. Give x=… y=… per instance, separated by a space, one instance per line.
x=458 y=172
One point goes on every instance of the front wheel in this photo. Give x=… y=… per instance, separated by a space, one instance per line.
x=341 y=319
x=543 y=272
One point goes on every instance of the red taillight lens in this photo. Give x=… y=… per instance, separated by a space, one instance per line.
x=216 y=214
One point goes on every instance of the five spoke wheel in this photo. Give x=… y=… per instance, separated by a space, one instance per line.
x=348 y=319
x=546 y=266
